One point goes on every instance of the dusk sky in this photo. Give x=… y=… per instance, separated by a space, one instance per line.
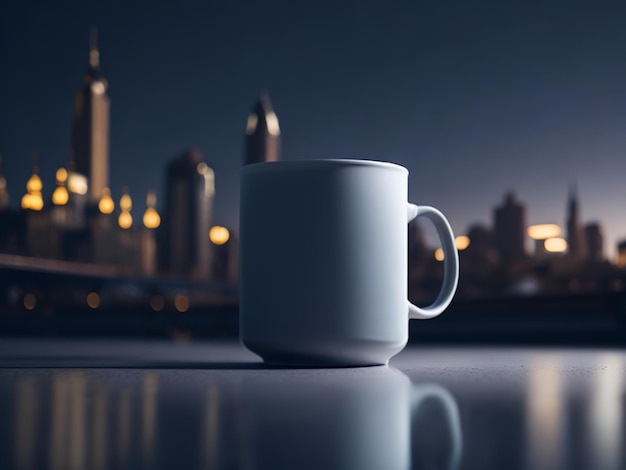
x=474 y=98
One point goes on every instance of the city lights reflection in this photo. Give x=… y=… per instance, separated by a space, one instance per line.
x=149 y=424
x=545 y=415
x=123 y=427
x=606 y=413
x=439 y=256
x=211 y=448
x=27 y=409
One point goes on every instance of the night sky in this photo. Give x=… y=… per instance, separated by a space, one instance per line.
x=474 y=98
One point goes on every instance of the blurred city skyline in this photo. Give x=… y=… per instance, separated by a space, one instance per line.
x=474 y=101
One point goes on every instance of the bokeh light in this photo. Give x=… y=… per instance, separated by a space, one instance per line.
x=157 y=303
x=462 y=242
x=93 y=300
x=555 y=245
x=30 y=301
x=544 y=231
x=181 y=302
x=106 y=205
x=219 y=235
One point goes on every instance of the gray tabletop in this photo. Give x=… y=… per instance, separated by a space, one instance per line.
x=147 y=404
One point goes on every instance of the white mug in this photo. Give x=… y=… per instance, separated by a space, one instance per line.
x=323 y=261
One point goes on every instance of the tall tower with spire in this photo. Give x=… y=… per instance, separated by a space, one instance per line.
x=90 y=132
x=575 y=233
x=262 y=133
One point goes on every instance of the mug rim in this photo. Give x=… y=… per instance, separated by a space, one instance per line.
x=322 y=162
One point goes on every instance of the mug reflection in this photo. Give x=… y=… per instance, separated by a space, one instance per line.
x=367 y=419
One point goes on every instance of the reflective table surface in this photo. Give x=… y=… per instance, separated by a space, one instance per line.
x=147 y=404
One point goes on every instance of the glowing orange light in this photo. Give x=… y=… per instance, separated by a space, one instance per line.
x=555 y=245
x=61 y=175
x=439 y=256
x=462 y=242
x=181 y=302
x=26 y=198
x=151 y=218
x=33 y=199
x=544 y=231
x=126 y=203
x=93 y=300
x=157 y=302
x=219 y=235
x=36 y=201
x=34 y=183
x=60 y=196
x=125 y=220
x=30 y=301
x=106 y=204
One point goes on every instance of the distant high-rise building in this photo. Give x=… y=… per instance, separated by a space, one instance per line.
x=90 y=132
x=621 y=253
x=262 y=133
x=575 y=233
x=189 y=190
x=595 y=241
x=509 y=228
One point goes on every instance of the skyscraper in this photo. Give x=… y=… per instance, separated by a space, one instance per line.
x=595 y=241
x=575 y=233
x=262 y=133
x=509 y=230
x=90 y=132
x=189 y=190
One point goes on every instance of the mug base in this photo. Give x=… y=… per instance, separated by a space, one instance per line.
x=357 y=353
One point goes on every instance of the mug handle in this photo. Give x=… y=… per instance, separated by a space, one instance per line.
x=450 y=262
